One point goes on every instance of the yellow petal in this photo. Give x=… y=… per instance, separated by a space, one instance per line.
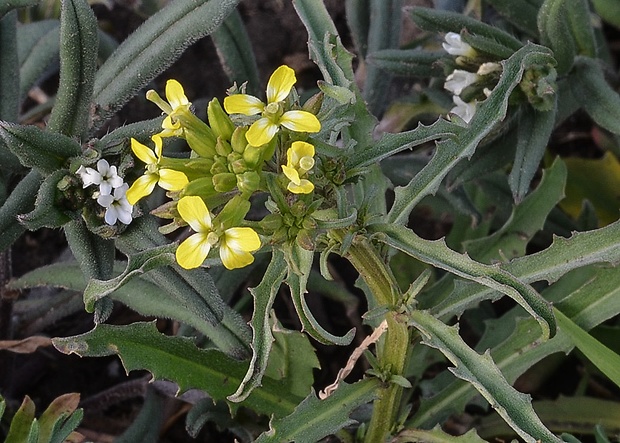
x=158 y=145
x=142 y=187
x=299 y=150
x=261 y=132
x=193 y=251
x=143 y=152
x=241 y=239
x=243 y=104
x=235 y=259
x=300 y=121
x=194 y=211
x=172 y=180
x=280 y=84
x=291 y=174
x=175 y=95
x=304 y=187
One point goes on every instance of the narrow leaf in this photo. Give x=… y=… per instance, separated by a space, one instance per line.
x=262 y=338
x=555 y=32
x=152 y=48
x=480 y=370
x=39 y=47
x=42 y=150
x=22 y=423
x=58 y=413
x=436 y=435
x=606 y=360
x=9 y=65
x=21 y=200
x=407 y=62
x=597 y=97
x=47 y=212
x=94 y=254
x=522 y=14
x=315 y=419
x=450 y=151
x=235 y=52
x=534 y=131
x=141 y=346
x=78 y=61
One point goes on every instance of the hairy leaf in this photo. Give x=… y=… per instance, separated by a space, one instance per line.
x=315 y=419
x=21 y=200
x=38 y=45
x=480 y=370
x=152 y=48
x=141 y=346
x=78 y=61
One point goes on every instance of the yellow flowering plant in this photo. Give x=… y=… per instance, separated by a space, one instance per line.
x=380 y=204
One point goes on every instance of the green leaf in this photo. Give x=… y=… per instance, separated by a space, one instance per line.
x=262 y=339
x=357 y=13
x=315 y=419
x=60 y=418
x=555 y=32
x=23 y=423
x=147 y=425
x=525 y=221
x=597 y=97
x=38 y=45
x=78 y=61
x=609 y=10
x=141 y=346
x=152 y=48
x=9 y=65
x=436 y=253
x=577 y=415
x=383 y=33
x=480 y=370
x=232 y=334
x=606 y=360
x=435 y=435
x=522 y=14
x=533 y=134
x=46 y=212
x=9 y=5
x=300 y=264
x=407 y=62
x=588 y=300
x=235 y=52
x=42 y=150
x=94 y=254
x=452 y=150
x=19 y=201
x=435 y=20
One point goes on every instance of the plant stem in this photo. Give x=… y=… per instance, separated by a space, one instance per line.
x=393 y=349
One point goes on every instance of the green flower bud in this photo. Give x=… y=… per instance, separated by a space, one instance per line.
x=222 y=147
x=202 y=186
x=200 y=138
x=224 y=182
x=305 y=240
x=220 y=121
x=238 y=140
x=252 y=156
x=539 y=86
x=271 y=223
x=248 y=182
x=298 y=209
x=314 y=103
x=220 y=166
x=309 y=223
x=236 y=163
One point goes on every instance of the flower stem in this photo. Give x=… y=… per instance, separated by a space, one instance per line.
x=393 y=349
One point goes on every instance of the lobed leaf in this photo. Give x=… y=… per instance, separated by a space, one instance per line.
x=262 y=339
x=480 y=370
x=452 y=150
x=152 y=48
x=78 y=61
x=141 y=346
x=436 y=253
x=315 y=419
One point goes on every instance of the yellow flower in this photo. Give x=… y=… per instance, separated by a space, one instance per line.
x=273 y=114
x=235 y=244
x=299 y=160
x=168 y=179
x=176 y=105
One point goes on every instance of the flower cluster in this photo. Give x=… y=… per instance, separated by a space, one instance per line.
x=464 y=84
x=112 y=191
x=231 y=159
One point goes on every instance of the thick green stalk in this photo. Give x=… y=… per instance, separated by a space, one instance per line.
x=393 y=349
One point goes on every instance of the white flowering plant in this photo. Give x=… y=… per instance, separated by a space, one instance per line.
x=411 y=185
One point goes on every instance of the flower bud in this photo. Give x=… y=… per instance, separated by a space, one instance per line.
x=236 y=163
x=248 y=182
x=238 y=140
x=219 y=121
x=305 y=240
x=224 y=182
x=222 y=147
x=271 y=223
x=314 y=103
x=252 y=156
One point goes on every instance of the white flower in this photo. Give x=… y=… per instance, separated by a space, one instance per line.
x=105 y=176
x=117 y=206
x=459 y=80
x=454 y=45
x=489 y=67
x=464 y=110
